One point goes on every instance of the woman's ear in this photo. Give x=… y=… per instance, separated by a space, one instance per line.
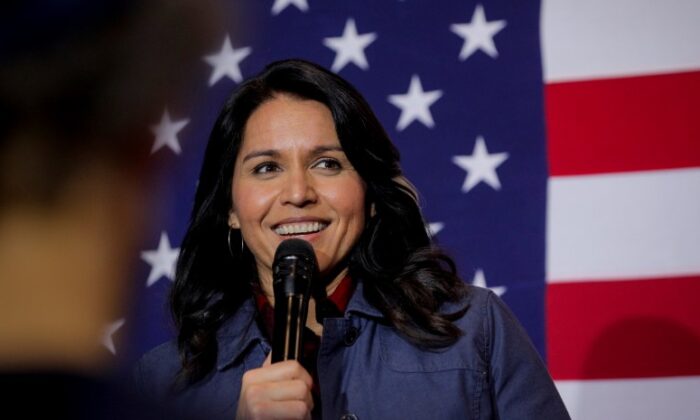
x=233 y=221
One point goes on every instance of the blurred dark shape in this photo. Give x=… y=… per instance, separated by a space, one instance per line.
x=83 y=79
x=80 y=83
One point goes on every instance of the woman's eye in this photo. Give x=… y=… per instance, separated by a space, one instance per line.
x=328 y=163
x=265 y=167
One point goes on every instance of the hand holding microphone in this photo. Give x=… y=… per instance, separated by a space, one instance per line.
x=279 y=390
x=282 y=387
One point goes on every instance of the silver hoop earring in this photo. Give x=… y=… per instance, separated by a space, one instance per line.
x=230 y=249
x=228 y=242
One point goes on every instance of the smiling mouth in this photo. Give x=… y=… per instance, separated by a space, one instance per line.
x=300 y=228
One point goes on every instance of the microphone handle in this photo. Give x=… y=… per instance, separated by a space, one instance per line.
x=290 y=319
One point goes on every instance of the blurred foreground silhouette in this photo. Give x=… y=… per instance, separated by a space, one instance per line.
x=80 y=82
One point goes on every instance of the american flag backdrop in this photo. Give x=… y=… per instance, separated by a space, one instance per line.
x=556 y=146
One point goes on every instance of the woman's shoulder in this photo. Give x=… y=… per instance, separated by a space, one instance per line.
x=477 y=295
x=162 y=358
x=157 y=369
x=484 y=308
x=477 y=302
x=491 y=323
x=485 y=317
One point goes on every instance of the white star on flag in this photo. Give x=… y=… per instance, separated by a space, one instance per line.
x=478 y=34
x=162 y=260
x=109 y=331
x=350 y=47
x=435 y=228
x=415 y=104
x=480 y=166
x=227 y=62
x=480 y=281
x=283 y=4
x=166 y=133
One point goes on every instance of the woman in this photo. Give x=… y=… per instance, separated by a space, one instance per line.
x=392 y=332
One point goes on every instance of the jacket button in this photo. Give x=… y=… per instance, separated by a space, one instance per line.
x=348 y=416
x=350 y=337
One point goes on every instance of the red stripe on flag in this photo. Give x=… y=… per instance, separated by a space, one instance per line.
x=624 y=329
x=625 y=124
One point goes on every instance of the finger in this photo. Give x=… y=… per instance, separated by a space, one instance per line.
x=263 y=400
x=286 y=370
x=281 y=410
x=268 y=360
x=296 y=371
x=295 y=389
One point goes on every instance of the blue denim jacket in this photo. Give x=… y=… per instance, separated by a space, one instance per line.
x=368 y=371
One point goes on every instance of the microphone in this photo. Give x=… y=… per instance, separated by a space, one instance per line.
x=293 y=268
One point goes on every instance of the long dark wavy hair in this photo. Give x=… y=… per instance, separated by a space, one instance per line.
x=404 y=275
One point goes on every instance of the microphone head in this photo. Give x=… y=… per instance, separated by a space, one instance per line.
x=294 y=246
x=293 y=267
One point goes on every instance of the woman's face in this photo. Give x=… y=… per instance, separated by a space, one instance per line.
x=293 y=180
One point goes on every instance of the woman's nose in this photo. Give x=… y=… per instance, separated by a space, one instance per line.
x=298 y=189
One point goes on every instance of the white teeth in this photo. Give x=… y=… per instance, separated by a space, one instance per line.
x=299 y=228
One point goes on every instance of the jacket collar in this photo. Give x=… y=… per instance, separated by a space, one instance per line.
x=237 y=334
x=359 y=305
x=240 y=331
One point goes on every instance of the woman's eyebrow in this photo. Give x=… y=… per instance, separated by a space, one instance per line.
x=273 y=153
x=322 y=149
x=258 y=153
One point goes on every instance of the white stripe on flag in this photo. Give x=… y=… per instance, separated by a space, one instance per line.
x=623 y=226
x=609 y=38
x=649 y=399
